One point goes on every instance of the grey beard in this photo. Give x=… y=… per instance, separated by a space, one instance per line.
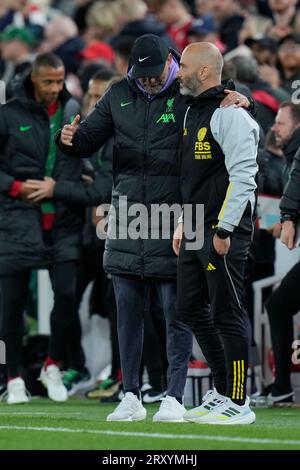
x=187 y=91
x=153 y=90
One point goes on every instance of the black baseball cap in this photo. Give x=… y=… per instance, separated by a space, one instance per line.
x=149 y=55
x=263 y=41
x=293 y=37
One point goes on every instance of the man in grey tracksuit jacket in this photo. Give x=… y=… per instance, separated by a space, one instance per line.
x=218 y=170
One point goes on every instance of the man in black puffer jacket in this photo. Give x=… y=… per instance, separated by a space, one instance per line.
x=37 y=235
x=144 y=114
x=284 y=302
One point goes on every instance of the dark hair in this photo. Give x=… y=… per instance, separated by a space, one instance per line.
x=156 y=5
x=48 y=59
x=295 y=109
x=87 y=71
x=122 y=45
x=246 y=68
x=103 y=75
x=228 y=71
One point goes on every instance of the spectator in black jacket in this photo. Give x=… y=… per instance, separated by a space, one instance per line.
x=287 y=133
x=284 y=302
x=37 y=235
x=144 y=113
x=261 y=260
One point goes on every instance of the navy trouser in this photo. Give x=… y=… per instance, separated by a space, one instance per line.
x=13 y=297
x=132 y=296
x=210 y=302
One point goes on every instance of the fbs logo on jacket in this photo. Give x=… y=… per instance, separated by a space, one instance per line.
x=201 y=134
x=202 y=149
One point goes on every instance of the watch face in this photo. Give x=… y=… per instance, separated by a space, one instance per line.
x=222 y=234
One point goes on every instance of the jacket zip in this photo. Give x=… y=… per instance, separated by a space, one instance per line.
x=144 y=180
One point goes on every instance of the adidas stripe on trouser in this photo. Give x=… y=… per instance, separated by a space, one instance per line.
x=210 y=293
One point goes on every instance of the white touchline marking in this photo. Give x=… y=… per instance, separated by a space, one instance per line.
x=203 y=437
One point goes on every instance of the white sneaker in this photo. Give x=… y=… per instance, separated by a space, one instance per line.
x=230 y=413
x=51 y=379
x=210 y=401
x=170 y=410
x=286 y=398
x=130 y=409
x=152 y=396
x=16 y=392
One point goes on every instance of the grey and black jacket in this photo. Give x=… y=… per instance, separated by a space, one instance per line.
x=219 y=162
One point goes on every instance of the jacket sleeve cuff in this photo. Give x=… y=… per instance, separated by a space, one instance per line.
x=15 y=188
x=61 y=191
x=226 y=226
x=289 y=217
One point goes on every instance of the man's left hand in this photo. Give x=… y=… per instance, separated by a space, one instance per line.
x=288 y=233
x=221 y=246
x=236 y=99
x=42 y=189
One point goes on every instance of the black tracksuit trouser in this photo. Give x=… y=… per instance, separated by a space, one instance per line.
x=281 y=306
x=13 y=298
x=210 y=302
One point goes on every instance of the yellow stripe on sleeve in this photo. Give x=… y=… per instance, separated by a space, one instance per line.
x=229 y=189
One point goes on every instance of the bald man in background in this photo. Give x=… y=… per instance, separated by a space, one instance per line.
x=218 y=170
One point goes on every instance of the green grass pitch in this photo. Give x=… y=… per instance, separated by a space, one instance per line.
x=80 y=424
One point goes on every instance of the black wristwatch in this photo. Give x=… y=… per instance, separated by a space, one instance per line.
x=288 y=217
x=222 y=233
x=251 y=108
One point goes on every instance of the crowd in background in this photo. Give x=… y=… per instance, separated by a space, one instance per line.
x=260 y=42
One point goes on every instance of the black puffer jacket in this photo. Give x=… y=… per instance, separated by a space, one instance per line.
x=289 y=152
x=24 y=145
x=290 y=202
x=146 y=167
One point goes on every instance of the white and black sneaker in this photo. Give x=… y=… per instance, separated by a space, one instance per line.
x=153 y=396
x=75 y=380
x=210 y=401
x=229 y=413
x=285 y=399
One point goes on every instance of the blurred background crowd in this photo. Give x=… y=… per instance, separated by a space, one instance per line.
x=260 y=42
x=259 y=39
